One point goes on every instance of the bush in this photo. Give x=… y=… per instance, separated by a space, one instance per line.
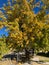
x=3 y=49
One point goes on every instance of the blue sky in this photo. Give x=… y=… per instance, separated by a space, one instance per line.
x=3 y=31
x=2 y=2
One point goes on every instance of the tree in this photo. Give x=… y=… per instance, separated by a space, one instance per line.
x=26 y=28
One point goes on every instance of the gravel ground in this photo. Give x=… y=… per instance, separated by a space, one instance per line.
x=9 y=62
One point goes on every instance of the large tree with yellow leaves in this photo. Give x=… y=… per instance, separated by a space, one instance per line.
x=26 y=29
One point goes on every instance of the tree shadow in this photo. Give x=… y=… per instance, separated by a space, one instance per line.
x=22 y=58
x=10 y=56
x=43 y=54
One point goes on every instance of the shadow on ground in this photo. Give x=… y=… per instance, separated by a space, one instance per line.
x=43 y=54
x=10 y=56
x=14 y=56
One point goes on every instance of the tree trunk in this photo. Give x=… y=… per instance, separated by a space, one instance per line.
x=27 y=54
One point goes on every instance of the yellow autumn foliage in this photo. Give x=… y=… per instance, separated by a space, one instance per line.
x=26 y=27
